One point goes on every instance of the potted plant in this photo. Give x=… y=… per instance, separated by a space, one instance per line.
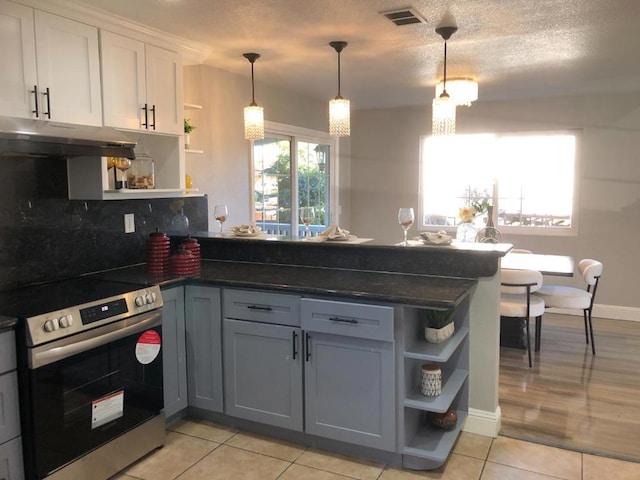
x=439 y=324
x=188 y=128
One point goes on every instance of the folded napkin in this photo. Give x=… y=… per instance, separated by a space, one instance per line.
x=334 y=232
x=246 y=230
x=440 y=238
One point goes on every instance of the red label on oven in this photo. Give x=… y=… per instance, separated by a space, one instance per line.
x=148 y=347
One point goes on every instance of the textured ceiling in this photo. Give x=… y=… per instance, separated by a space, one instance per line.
x=513 y=48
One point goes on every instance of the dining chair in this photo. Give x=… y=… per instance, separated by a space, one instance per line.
x=517 y=301
x=574 y=298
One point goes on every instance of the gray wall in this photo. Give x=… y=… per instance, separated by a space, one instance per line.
x=385 y=153
x=222 y=172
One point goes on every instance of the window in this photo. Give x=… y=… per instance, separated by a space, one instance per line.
x=530 y=179
x=293 y=168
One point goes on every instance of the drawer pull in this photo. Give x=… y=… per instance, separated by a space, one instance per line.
x=343 y=320
x=295 y=344
x=259 y=307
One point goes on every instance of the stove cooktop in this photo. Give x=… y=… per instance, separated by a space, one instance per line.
x=49 y=297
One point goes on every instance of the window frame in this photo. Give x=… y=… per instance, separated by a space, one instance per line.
x=295 y=134
x=505 y=229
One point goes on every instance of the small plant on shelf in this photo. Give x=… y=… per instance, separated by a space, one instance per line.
x=188 y=126
x=439 y=324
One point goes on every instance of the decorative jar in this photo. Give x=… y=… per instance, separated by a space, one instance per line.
x=431 y=380
x=466 y=232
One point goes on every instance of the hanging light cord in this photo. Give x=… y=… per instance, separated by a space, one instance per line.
x=444 y=83
x=339 y=96
x=253 y=91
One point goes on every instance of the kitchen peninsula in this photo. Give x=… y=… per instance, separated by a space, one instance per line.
x=262 y=315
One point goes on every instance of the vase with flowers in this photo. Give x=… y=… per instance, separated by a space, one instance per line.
x=466 y=231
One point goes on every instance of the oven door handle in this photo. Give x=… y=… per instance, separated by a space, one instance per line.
x=48 y=354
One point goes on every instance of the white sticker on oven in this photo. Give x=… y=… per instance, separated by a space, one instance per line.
x=148 y=347
x=106 y=409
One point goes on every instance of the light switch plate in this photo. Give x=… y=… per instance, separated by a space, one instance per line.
x=129 y=223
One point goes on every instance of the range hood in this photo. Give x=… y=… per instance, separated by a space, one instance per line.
x=40 y=138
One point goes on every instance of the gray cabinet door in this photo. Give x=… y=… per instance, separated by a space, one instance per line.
x=350 y=390
x=11 y=460
x=174 y=351
x=204 y=347
x=263 y=373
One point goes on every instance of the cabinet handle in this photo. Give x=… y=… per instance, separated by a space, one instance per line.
x=343 y=320
x=153 y=111
x=48 y=95
x=146 y=116
x=295 y=344
x=36 y=111
x=259 y=307
x=307 y=346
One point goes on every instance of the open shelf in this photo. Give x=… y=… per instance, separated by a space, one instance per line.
x=439 y=403
x=436 y=352
x=191 y=150
x=432 y=444
x=192 y=106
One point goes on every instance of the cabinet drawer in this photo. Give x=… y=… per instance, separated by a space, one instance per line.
x=260 y=306
x=9 y=410
x=350 y=319
x=7 y=351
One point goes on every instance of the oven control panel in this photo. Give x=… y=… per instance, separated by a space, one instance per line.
x=54 y=325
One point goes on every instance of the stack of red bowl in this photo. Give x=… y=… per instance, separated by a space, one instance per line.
x=182 y=263
x=193 y=246
x=158 y=249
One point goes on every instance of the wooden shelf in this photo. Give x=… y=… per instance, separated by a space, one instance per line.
x=192 y=151
x=192 y=106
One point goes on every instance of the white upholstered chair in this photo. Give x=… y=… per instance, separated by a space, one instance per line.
x=517 y=301
x=573 y=298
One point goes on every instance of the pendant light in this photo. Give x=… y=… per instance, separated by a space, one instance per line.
x=444 y=107
x=253 y=114
x=339 y=108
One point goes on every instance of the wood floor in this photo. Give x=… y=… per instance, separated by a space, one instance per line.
x=571 y=398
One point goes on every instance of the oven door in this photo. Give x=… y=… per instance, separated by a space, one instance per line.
x=85 y=390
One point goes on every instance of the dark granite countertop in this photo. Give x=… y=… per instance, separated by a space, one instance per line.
x=408 y=289
x=7 y=323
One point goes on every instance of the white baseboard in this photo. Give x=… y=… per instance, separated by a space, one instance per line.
x=613 y=312
x=483 y=422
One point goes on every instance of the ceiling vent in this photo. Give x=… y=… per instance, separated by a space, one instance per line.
x=404 y=16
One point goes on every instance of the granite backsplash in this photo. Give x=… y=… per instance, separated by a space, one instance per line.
x=44 y=236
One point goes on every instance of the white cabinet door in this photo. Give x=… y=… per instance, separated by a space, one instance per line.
x=17 y=61
x=68 y=62
x=164 y=90
x=123 y=80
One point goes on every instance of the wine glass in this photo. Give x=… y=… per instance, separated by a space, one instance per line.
x=220 y=213
x=405 y=219
x=122 y=164
x=307 y=215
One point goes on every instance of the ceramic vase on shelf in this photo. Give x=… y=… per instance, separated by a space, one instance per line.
x=489 y=234
x=187 y=141
x=466 y=232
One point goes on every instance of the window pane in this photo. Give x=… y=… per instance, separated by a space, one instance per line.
x=535 y=178
x=313 y=181
x=457 y=171
x=272 y=184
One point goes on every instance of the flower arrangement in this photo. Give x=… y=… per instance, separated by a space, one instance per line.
x=469 y=212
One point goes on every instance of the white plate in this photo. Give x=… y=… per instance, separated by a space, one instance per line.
x=339 y=239
x=248 y=234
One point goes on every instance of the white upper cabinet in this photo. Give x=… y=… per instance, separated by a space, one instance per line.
x=142 y=85
x=65 y=55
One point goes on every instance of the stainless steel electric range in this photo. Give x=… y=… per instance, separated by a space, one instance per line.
x=90 y=376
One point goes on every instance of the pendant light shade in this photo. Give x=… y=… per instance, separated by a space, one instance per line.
x=339 y=107
x=253 y=114
x=443 y=121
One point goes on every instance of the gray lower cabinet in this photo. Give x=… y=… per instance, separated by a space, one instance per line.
x=204 y=347
x=263 y=373
x=350 y=372
x=11 y=467
x=174 y=355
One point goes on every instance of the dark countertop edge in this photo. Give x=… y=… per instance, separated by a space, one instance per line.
x=136 y=274
x=7 y=323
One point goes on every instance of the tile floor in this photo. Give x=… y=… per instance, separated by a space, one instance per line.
x=197 y=449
